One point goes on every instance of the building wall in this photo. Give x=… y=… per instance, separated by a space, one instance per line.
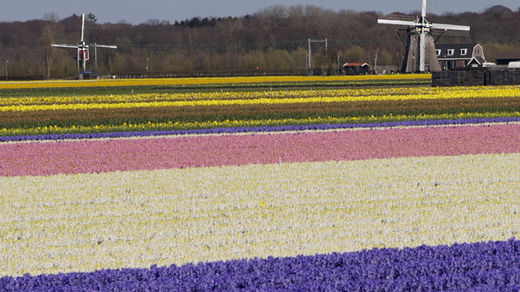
x=477 y=77
x=358 y=70
x=453 y=64
x=461 y=63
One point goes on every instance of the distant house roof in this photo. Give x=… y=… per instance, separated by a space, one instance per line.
x=355 y=65
x=509 y=55
x=454 y=51
x=478 y=60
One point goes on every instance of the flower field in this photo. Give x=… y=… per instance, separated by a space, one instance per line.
x=37 y=115
x=350 y=189
x=231 y=81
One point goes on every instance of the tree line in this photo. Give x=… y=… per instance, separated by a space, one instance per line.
x=270 y=41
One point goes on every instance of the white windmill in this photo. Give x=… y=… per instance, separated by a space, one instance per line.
x=421 y=45
x=83 y=48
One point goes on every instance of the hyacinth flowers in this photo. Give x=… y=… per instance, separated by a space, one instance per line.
x=401 y=205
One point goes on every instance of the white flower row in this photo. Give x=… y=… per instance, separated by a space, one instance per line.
x=85 y=222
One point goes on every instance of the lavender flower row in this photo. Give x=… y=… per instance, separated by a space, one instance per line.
x=257 y=129
x=479 y=266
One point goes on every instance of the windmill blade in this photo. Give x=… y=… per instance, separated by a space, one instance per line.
x=64 y=46
x=106 y=46
x=423 y=14
x=422 y=52
x=82 y=26
x=450 y=27
x=396 y=22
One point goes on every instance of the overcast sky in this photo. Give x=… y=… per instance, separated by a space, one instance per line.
x=139 y=11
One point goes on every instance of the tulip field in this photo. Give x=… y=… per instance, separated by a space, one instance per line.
x=277 y=183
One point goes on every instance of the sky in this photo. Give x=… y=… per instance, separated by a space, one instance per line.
x=140 y=11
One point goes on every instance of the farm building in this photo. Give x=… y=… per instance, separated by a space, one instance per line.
x=458 y=56
x=356 y=68
x=508 y=57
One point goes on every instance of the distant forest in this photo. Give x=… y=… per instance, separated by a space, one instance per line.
x=270 y=41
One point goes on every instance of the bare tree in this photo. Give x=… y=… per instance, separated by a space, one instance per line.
x=51 y=17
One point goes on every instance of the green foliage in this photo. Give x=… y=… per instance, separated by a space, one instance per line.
x=356 y=54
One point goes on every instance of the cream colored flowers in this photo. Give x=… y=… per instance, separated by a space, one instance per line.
x=86 y=222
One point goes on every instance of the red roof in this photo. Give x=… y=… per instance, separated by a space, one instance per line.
x=355 y=64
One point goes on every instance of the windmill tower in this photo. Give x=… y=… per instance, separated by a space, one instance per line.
x=82 y=48
x=420 y=48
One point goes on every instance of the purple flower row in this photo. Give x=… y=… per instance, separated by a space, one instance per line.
x=257 y=129
x=479 y=266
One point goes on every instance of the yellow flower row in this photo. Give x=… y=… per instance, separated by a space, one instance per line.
x=150 y=126
x=203 y=81
x=367 y=92
x=136 y=219
x=250 y=98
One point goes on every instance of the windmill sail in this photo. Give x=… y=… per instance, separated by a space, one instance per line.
x=82 y=28
x=440 y=26
x=106 y=46
x=64 y=46
x=396 y=22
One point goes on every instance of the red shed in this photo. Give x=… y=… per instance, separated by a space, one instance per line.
x=356 y=68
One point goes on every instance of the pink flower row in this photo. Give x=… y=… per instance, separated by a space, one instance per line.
x=86 y=156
